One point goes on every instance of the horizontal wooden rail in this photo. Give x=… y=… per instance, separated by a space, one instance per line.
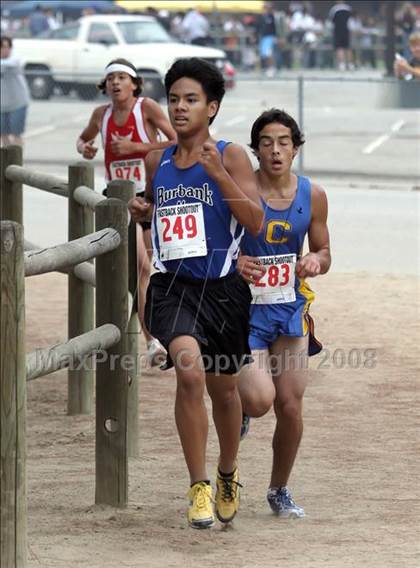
x=69 y=254
x=86 y=197
x=47 y=182
x=29 y=245
x=84 y=271
x=71 y=353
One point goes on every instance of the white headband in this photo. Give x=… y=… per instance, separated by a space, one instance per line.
x=120 y=67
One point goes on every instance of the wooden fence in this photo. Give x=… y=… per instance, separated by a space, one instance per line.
x=114 y=334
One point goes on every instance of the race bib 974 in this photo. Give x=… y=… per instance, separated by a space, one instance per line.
x=277 y=285
x=181 y=231
x=132 y=170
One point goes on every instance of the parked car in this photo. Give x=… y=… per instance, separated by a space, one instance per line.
x=74 y=56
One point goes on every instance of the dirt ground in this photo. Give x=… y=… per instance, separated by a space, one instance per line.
x=355 y=473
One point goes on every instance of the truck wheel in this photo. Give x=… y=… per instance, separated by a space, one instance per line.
x=40 y=82
x=87 y=92
x=65 y=88
x=152 y=85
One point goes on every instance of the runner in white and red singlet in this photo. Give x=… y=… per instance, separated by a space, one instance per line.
x=130 y=127
x=128 y=166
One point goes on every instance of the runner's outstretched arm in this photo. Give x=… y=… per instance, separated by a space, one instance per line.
x=318 y=260
x=141 y=208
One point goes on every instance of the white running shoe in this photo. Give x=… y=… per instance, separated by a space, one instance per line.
x=281 y=502
x=156 y=353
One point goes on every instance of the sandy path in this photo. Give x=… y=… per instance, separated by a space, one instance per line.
x=355 y=473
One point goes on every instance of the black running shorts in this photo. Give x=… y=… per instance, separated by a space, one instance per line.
x=215 y=312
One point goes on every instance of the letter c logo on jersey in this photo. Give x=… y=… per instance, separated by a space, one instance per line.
x=275 y=230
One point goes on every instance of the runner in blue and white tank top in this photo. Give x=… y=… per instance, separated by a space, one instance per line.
x=276 y=268
x=194 y=231
x=200 y=195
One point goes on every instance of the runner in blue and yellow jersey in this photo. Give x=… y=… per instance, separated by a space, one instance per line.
x=276 y=268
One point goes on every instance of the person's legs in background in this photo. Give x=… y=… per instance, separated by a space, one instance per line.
x=5 y=129
x=17 y=123
x=155 y=352
x=290 y=379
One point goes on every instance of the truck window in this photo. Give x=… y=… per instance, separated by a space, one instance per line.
x=101 y=33
x=148 y=31
x=69 y=32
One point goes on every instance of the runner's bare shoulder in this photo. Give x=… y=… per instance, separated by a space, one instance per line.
x=319 y=200
x=98 y=114
x=317 y=190
x=152 y=161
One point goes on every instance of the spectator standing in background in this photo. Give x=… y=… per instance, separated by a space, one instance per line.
x=368 y=40
x=340 y=15
x=176 y=26
x=14 y=96
x=282 y=32
x=249 y=54
x=356 y=30
x=296 y=15
x=4 y=22
x=302 y=25
x=266 y=30
x=406 y=21
x=196 y=28
x=38 y=22
x=410 y=69
x=233 y=30
x=53 y=23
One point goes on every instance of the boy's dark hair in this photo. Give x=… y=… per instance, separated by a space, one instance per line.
x=6 y=39
x=205 y=73
x=280 y=116
x=138 y=81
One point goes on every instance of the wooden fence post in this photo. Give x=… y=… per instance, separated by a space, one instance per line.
x=10 y=191
x=133 y=331
x=12 y=399
x=80 y=294
x=112 y=366
x=125 y=190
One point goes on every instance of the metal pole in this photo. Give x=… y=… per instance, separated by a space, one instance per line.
x=300 y=121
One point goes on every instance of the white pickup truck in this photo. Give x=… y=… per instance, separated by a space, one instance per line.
x=75 y=55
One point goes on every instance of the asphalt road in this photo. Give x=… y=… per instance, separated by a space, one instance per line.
x=372 y=230
x=366 y=156
x=348 y=131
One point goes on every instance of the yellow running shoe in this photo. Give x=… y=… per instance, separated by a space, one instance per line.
x=200 y=512
x=227 y=496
